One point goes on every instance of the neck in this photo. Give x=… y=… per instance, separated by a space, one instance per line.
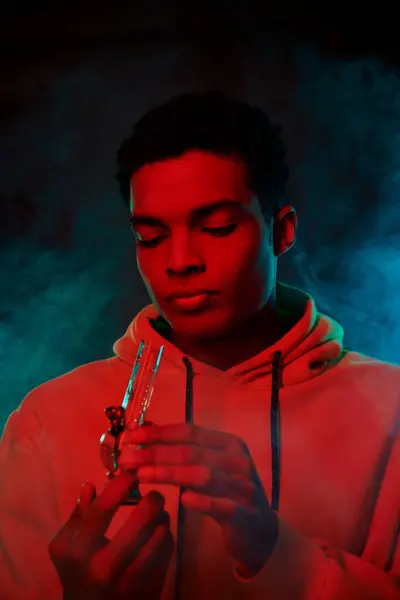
x=257 y=333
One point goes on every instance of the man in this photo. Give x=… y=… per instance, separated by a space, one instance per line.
x=270 y=466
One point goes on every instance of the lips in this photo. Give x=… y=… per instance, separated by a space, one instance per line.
x=188 y=294
x=191 y=303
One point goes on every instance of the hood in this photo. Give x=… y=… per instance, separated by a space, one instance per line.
x=312 y=346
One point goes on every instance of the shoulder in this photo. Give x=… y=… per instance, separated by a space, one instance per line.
x=372 y=384
x=361 y=365
x=84 y=388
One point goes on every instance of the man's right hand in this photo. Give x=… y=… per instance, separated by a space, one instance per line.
x=132 y=565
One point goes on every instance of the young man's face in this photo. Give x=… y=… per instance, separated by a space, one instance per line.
x=236 y=264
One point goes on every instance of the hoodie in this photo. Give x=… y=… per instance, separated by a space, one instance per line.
x=321 y=424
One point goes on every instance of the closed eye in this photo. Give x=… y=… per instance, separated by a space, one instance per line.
x=214 y=231
x=220 y=231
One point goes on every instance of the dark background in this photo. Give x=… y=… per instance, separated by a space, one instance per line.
x=74 y=79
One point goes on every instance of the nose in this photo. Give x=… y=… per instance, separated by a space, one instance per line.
x=183 y=257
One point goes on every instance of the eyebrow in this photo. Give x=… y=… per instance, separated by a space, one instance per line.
x=195 y=213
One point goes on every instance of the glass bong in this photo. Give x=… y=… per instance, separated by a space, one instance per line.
x=131 y=413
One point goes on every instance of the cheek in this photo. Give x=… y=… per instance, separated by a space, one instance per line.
x=148 y=266
x=250 y=276
x=244 y=261
x=149 y=271
x=141 y=269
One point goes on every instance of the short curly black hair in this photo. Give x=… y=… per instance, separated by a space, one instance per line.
x=213 y=122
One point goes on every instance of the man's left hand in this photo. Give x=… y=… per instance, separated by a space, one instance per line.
x=219 y=480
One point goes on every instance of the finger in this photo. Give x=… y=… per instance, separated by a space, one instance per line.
x=185 y=454
x=106 y=504
x=235 y=520
x=88 y=495
x=150 y=567
x=220 y=509
x=98 y=516
x=60 y=543
x=186 y=434
x=137 y=530
x=200 y=478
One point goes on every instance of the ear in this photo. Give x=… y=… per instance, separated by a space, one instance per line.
x=285 y=226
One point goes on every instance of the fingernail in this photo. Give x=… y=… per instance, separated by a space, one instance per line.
x=86 y=494
x=84 y=489
x=81 y=494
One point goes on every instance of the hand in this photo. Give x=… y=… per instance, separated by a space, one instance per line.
x=220 y=481
x=132 y=565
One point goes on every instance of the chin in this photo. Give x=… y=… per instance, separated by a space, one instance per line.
x=201 y=326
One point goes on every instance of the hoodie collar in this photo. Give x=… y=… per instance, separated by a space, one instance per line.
x=313 y=345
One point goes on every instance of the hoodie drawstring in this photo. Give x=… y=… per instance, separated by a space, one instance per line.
x=181 y=508
x=275 y=446
x=275 y=430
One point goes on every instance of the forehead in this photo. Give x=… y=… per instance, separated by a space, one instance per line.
x=177 y=185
